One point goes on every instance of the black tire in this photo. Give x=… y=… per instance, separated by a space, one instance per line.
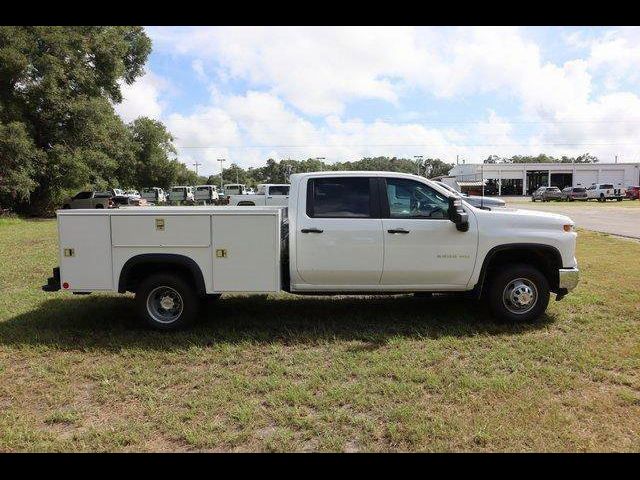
x=517 y=276
x=99 y=205
x=181 y=313
x=619 y=199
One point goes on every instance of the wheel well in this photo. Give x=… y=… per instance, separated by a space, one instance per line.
x=545 y=258
x=137 y=268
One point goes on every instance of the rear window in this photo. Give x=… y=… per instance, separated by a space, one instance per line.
x=279 y=190
x=553 y=189
x=177 y=189
x=339 y=197
x=202 y=189
x=606 y=185
x=579 y=190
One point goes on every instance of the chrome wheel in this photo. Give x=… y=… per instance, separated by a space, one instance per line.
x=164 y=304
x=520 y=296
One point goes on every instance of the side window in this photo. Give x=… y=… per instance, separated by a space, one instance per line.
x=83 y=195
x=339 y=197
x=411 y=199
x=279 y=190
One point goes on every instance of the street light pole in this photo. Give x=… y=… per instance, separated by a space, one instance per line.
x=418 y=161
x=221 y=160
x=197 y=164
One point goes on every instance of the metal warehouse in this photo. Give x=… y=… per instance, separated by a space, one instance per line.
x=524 y=178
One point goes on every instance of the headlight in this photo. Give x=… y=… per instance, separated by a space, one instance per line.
x=568 y=228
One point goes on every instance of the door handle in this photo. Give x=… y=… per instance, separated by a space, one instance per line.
x=311 y=230
x=398 y=230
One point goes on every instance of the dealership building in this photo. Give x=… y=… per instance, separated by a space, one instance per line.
x=524 y=178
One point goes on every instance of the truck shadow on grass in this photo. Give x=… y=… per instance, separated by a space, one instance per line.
x=109 y=323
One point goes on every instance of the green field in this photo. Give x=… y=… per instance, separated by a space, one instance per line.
x=287 y=373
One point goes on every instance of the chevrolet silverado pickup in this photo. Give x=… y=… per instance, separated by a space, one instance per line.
x=341 y=233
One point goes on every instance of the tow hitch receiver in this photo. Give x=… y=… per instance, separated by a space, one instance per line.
x=53 y=283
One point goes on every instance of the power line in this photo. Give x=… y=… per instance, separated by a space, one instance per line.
x=408 y=145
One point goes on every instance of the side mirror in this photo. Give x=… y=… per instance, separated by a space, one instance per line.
x=457 y=215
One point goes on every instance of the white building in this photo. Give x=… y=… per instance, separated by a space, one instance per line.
x=524 y=178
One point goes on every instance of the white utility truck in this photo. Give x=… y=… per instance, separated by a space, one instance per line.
x=342 y=233
x=267 y=194
x=206 y=193
x=181 y=193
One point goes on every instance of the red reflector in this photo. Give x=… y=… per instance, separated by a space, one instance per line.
x=65 y=285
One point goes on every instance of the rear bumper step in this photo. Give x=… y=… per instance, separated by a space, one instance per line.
x=53 y=283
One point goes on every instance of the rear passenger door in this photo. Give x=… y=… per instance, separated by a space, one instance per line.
x=339 y=237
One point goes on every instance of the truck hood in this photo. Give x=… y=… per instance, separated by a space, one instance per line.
x=531 y=217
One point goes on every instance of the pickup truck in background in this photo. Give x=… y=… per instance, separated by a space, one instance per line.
x=267 y=194
x=605 y=191
x=154 y=195
x=205 y=193
x=342 y=233
x=181 y=194
x=89 y=199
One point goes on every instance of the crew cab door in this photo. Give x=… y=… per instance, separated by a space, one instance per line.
x=422 y=247
x=339 y=233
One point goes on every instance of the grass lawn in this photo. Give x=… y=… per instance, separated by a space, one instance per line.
x=303 y=373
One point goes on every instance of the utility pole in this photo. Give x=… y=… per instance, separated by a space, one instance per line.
x=221 y=160
x=616 y=158
x=197 y=164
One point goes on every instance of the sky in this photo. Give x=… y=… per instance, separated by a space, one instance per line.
x=246 y=94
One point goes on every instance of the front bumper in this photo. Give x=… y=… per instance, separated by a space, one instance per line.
x=569 y=278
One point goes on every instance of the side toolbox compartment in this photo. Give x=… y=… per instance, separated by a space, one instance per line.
x=246 y=251
x=85 y=251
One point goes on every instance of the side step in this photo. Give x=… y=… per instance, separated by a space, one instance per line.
x=53 y=283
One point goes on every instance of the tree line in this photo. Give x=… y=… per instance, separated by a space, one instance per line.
x=278 y=172
x=59 y=132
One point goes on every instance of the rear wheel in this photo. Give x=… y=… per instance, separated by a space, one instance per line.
x=518 y=293
x=166 y=302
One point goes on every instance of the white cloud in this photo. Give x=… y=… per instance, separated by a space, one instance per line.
x=142 y=98
x=303 y=79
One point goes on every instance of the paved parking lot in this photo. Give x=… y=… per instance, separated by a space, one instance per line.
x=617 y=218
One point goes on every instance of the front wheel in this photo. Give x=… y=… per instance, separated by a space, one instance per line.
x=518 y=293
x=166 y=302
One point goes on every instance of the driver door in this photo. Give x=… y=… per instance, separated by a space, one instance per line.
x=422 y=247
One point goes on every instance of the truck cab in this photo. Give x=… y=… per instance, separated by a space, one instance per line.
x=341 y=233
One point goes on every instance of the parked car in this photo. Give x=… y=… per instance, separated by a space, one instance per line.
x=574 y=193
x=342 y=233
x=633 y=192
x=115 y=192
x=154 y=195
x=546 y=194
x=89 y=199
x=267 y=194
x=205 y=193
x=605 y=191
x=476 y=201
x=181 y=193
